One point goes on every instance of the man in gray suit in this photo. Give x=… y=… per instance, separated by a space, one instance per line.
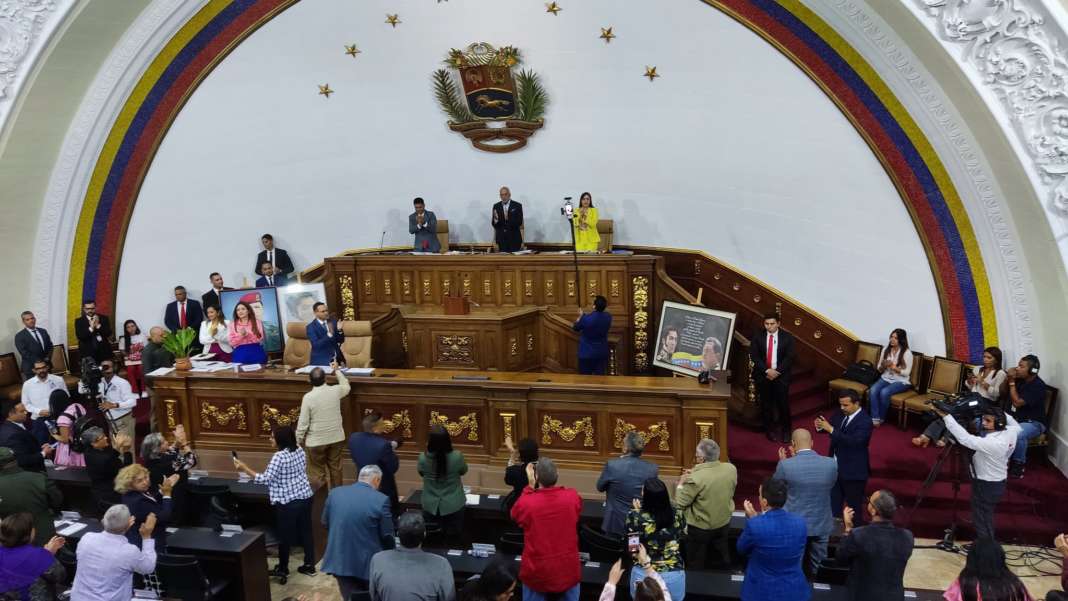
x=358 y=525
x=809 y=477
x=621 y=480
x=424 y=224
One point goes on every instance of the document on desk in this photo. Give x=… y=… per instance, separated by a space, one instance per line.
x=307 y=369
x=251 y=367
x=71 y=529
x=359 y=371
x=473 y=499
x=161 y=371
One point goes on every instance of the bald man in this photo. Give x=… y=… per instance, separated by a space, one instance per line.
x=154 y=357
x=507 y=222
x=809 y=477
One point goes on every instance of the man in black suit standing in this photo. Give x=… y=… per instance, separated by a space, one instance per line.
x=877 y=554
x=277 y=257
x=508 y=223
x=213 y=297
x=14 y=435
x=371 y=447
x=33 y=344
x=850 y=431
x=772 y=353
x=93 y=331
x=183 y=312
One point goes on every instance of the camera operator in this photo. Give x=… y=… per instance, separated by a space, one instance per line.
x=993 y=446
x=1027 y=403
x=117 y=399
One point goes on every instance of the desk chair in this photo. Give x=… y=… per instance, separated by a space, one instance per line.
x=183 y=578
x=511 y=543
x=600 y=546
x=213 y=504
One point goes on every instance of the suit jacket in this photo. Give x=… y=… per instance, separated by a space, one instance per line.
x=878 y=553
x=281 y=262
x=774 y=543
x=194 y=315
x=97 y=344
x=850 y=445
x=359 y=525
x=445 y=495
x=24 y=445
x=809 y=478
x=622 y=480
x=506 y=231
x=324 y=349
x=426 y=237
x=31 y=351
x=103 y=465
x=142 y=504
x=593 y=334
x=211 y=298
x=758 y=352
x=34 y=493
x=279 y=280
x=372 y=449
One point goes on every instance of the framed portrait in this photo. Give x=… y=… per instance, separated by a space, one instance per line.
x=297 y=302
x=264 y=303
x=693 y=339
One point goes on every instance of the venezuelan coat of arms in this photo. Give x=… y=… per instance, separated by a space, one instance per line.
x=498 y=110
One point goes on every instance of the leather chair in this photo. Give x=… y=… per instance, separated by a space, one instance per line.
x=61 y=367
x=605 y=228
x=69 y=560
x=210 y=504
x=945 y=381
x=897 y=401
x=298 y=347
x=866 y=351
x=183 y=578
x=441 y=230
x=356 y=348
x=601 y=547
x=10 y=377
x=511 y=543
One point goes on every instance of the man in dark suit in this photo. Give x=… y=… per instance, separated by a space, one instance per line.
x=810 y=478
x=370 y=447
x=877 y=554
x=774 y=542
x=424 y=224
x=593 y=337
x=270 y=278
x=325 y=337
x=507 y=222
x=213 y=297
x=850 y=432
x=183 y=312
x=93 y=331
x=277 y=257
x=14 y=435
x=772 y=353
x=33 y=344
x=622 y=480
x=359 y=524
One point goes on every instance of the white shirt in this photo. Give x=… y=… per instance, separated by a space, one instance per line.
x=989 y=387
x=106 y=563
x=992 y=452
x=35 y=393
x=774 y=349
x=890 y=376
x=327 y=328
x=222 y=337
x=116 y=391
x=36 y=335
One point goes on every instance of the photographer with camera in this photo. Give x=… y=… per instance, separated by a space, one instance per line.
x=1027 y=403
x=114 y=396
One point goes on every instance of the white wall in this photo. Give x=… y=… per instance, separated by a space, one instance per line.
x=733 y=151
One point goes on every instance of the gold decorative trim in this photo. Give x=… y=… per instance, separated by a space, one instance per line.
x=404 y=341
x=487 y=287
x=387 y=286
x=750 y=386
x=406 y=285
x=838 y=349
x=368 y=286
x=426 y=287
x=567 y=434
x=640 y=294
x=736 y=286
x=613 y=287
x=756 y=298
x=446 y=285
x=513 y=346
x=528 y=287
x=467 y=285
x=456 y=349
x=401 y=421
x=348 y=302
x=222 y=418
x=467 y=422
x=530 y=342
x=549 y=284
x=817 y=334
x=508 y=424
x=697 y=266
x=171 y=406
x=612 y=367
x=797 y=321
x=508 y=286
x=271 y=414
x=592 y=286
x=571 y=288
x=705 y=430
x=717 y=276
x=658 y=430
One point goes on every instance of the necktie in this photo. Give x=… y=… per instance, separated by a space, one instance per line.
x=181 y=315
x=771 y=350
x=270 y=281
x=37 y=335
x=326 y=327
x=270 y=257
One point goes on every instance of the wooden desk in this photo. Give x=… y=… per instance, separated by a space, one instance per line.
x=579 y=421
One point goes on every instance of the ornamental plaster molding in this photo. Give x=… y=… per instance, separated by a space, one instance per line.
x=85 y=138
x=25 y=28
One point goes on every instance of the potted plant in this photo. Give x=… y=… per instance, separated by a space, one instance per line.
x=178 y=344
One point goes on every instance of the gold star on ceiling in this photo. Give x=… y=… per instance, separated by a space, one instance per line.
x=393 y=20
x=324 y=90
x=651 y=73
x=606 y=34
x=552 y=7
x=352 y=50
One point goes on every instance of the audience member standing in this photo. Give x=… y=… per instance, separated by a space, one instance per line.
x=660 y=528
x=183 y=312
x=359 y=525
x=548 y=515
x=28 y=571
x=277 y=257
x=371 y=447
x=30 y=492
x=1027 y=404
x=507 y=221
x=409 y=573
x=319 y=428
x=214 y=335
x=515 y=475
x=155 y=355
x=772 y=354
x=443 y=492
x=850 y=431
x=877 y=554
x=107 y=561
x=29 y=453
x=986 y=573
x=593 y=337
x=103 y=462
x=809 y=478
x=325 y=337
x=213 y=297
x=33 y=344
x=621 y=480
x=134 y=483
x=895 y=367
x=164 y=460
x=93 y=331
x=424 y=224
x=132 y=344
x=36 y=393
x=246 y=332
x=705 y=496
x=66 y=415
x=117 y=400
x=774 y=541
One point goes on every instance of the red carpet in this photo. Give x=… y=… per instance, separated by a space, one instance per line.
x=1033 y=510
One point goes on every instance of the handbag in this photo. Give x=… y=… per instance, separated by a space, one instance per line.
x=862 y=371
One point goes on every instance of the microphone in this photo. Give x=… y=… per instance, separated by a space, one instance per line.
x=382 y=243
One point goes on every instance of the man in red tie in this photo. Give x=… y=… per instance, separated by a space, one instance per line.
x=184 y=312
x=772 y=353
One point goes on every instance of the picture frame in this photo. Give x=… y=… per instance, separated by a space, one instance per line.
x=691 y=339
x=264 y=302
x=297 y=301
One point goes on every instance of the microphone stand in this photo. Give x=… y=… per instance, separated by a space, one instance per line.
x=574 y=256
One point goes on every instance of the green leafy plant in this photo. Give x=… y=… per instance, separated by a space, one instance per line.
x=179 y=343
x=533 y=99
x=449 y=98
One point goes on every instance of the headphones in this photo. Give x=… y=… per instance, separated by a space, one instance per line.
x=1000 y=423
x=1032 y=360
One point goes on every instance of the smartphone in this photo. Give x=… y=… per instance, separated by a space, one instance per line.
x=632 y=542
x=819 y=429
x=234 y=455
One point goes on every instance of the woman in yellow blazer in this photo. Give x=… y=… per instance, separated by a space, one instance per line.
x=585 y=223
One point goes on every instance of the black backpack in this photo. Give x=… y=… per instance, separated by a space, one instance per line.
x=79 y=424
x=862 y=371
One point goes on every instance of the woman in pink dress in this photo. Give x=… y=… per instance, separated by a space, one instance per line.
x=214 y=335
x=246 y=333
x=66 y=414
x=131 y=343
x=987 y=576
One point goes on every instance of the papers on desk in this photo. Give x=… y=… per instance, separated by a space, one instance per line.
x=211 y=366
x=821 y=586
x=171 y=530
x=307 y=369
x=455 y=552
x=359 y=371
x=71 y=529
x=737 y=577
x=473 y=499
x=523 y=252
x=201 y=357
x=161 y=371
x=493 y=497
x=737 y=514
x=251 y=367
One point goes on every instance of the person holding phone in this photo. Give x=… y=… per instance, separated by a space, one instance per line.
x=548 y=515
x=658 y=527
x=651 y=588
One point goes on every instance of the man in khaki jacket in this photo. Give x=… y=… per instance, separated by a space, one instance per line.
x=705 y=495
x=319 y=429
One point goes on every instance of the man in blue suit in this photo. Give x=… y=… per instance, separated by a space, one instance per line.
x=325 y=337
x=810 y=478
x=850 y=432
x=774 y=543
x=622 y=481
x=359 y=525
x=271 y=277
x=370 y=447
x=593 y=338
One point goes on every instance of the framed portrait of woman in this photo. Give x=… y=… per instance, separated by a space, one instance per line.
x=693 y=339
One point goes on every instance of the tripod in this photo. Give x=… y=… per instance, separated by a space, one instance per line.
x=951 y=452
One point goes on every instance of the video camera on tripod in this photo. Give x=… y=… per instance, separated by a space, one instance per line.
x=92 y=376
x=968 y=408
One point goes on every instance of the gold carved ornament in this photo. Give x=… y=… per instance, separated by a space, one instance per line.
x=706 y=430
x=222 y=418
x=567 y=434
x=591 y=286
x=613 y=286
x=528 y=287
x=750 y=392
x=172 y=413
x=398 y=421
x=508 y=420
x=508 y=286
x=406 y=285
x=658 y=430
x=640 y=294
x=549 y=283
x=387 y=286
x=697 y=266
x=571 y=287
x=612 y=361
x=456 y=349
x=467 y=285
x=426 y=287
x=348 y=302
x=446 y=285
x=530 y=342
x=467 y=422
x=404 y=341
x=279 y=418
x=513 y=346
x=487 y=287
x=368 y=286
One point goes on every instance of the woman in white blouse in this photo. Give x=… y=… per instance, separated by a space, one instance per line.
x=213 y=334
x=988 y=379
x=896 y=365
